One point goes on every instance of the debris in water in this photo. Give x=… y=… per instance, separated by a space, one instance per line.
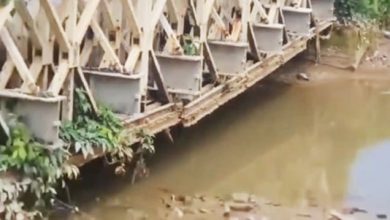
x=385 y=93
x=273 y=204
x=303 y=76
x=201 y=198
x=120 y=170
x=353 y=210
x=241 y=207
x=241 y=197
x=165 y=203
x=381 y=216
x=244 y=206
x=189 y=210
x=226 y=210
x=335 y=215
x=178 y=212
x=250 y=218
x=304 y=215
x=204 y=211
x=136 y=214
x=186 y=200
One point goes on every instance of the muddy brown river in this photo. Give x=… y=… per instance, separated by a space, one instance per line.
x=324 y=143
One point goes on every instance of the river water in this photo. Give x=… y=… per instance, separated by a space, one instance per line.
x=323 y=143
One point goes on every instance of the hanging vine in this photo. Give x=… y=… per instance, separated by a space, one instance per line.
x=89 y=132
x=146 y=146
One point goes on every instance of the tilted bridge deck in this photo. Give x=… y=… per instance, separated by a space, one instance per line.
x=166 y=116
x=156 y=63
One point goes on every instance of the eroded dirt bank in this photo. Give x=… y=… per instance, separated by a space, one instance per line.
x=335 y=65
x=243 y=206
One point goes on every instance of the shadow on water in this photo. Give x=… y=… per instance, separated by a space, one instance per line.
x=298 y=145
x=98 y=181
x=369 y=182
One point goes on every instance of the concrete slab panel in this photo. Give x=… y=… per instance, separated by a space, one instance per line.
x=269 y=38
x=181 y=73
x=121 y=94
x=297 y=20
x=323 y=10
x=230 y=57
x=42 y=118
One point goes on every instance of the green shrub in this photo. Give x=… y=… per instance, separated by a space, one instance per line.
x=377 y=11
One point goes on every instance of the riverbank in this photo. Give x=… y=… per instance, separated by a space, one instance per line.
x=335 y=66
x=244 y=206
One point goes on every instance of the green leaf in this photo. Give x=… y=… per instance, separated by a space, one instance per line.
x=18 y=143
x=15 y=155
x=22 y=153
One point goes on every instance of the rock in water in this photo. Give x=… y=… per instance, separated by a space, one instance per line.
x=136 y=214
x=204 y=211
x=178 y=212
x=241 y=207
x=334 y=215
x=381 y=216
x=386 y=34
x=185 y=200
x=241 y=197
x=303 y=76
x=226 y=210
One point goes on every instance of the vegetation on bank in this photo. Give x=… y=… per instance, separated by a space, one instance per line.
x=31 y=173
x=361 y=22
x=34 y=171
x=375 y=11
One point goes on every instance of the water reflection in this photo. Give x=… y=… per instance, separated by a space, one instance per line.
x=369 y=181
x=298 y=145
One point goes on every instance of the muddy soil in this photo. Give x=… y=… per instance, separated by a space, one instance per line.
x=336 y=65
x=244 y=206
